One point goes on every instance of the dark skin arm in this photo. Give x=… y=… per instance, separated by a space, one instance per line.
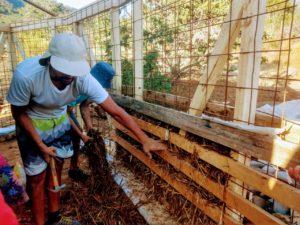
x=86 y=115
x=77 y=129
x=126 y=120
x=21 y=117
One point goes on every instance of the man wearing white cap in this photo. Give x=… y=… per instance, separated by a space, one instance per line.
x=40 y=90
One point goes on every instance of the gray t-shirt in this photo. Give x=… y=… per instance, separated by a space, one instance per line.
x=31 y=85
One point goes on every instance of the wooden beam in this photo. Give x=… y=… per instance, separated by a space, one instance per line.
x=275 y=151
x=252 y=28
x=5 y=28
x=217 y=59
x=284 y=193
x=116 y=49
x=166 y=99
x=82 y=33
x=53 y=30
x=75 y=28
x=19 y=46
x=12 y=53
x=138 y=49
x=251 y=211
x=3 y=39
x=40 y=8
x=250 y=59
x=81 y=14
x=78 y=29
x=32 y=25
x=93 y=9
x=195 y=198
x=182 y=103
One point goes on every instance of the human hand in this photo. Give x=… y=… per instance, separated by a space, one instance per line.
x=48 y=152
x=86 y=138
x=150 y=145
x=295 y=173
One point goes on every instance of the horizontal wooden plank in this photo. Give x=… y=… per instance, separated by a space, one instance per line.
x=254 y=213
x=276 y=151
x=213 y=212
x=270 y=186
x=39 y=24
x=81 y=14
x=166 y=99
x=215 y=108
x=261 y=119
x=4 y=28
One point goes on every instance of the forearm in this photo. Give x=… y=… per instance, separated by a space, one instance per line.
x=122 y=117
x=86 y=115
x=25 y=122
x=129 y=123
x=76 y=128
x=126 y=120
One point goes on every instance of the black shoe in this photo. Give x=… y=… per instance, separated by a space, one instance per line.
x=78 y=175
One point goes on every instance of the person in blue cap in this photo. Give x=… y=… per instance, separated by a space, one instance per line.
x=103 y=72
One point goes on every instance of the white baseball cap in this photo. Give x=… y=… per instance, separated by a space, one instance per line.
x=67 y=55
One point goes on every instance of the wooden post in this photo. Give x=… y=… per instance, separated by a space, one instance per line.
x=75 y=28
x=3 y=38
x=53 y=30
x=12 y=54
x=5 y=28
x=218 y=58
x=19 y=46
x=116 y=50
x=138 y=49
x=248 y=78
x=249 y=63
x=79 y=29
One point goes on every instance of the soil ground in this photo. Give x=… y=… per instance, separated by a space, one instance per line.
x=11 y=153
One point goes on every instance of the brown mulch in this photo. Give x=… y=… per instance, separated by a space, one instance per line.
x=100 y=200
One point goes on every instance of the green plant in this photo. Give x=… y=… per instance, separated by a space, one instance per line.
x=153 y=79
x=127 y=72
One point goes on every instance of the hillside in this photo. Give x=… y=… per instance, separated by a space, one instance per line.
x=17 y=10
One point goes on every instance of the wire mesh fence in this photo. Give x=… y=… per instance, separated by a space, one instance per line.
x=230 y=59
x=180 y=45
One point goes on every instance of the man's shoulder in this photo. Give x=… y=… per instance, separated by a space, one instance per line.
x=30 y=67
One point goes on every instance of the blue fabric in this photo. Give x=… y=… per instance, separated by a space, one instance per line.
x=12 y=191
x=78 y=100
x=103 y=72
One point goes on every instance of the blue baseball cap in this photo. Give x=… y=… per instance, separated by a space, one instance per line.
x=103 y=73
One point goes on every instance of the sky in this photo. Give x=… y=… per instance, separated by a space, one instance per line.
x=77 y=4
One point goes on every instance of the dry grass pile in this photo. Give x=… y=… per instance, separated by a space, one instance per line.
x=159 y=190
x=100 y=200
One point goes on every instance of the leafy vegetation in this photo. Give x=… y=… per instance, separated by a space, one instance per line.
x=12 y=11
